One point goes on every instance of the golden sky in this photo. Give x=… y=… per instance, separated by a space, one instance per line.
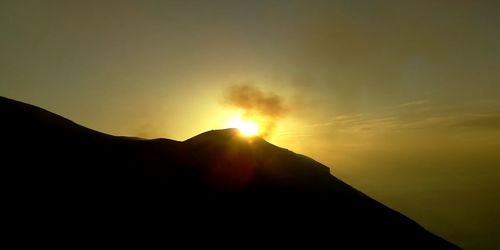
x=400 y=98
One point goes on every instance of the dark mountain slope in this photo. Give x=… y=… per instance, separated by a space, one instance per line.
x=216 y=180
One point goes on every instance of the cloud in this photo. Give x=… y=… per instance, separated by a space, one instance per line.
x=415 y=103
x=480 y=121
x=413 y=115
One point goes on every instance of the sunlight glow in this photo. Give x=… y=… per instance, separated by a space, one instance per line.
x=246 y=127
x=249 y=128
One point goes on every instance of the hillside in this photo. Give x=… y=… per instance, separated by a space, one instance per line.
x=215 y=178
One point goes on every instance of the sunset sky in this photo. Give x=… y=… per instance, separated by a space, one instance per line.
x=400 y=98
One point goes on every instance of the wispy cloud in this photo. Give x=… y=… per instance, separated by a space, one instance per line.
x=414 y=103
x=481 y=121
x=405 y=117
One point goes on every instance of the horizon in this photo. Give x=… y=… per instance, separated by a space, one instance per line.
x=399 y=99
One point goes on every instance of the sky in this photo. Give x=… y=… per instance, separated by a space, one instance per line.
x=401 y=99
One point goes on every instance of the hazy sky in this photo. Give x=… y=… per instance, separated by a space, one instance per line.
x=400 y=98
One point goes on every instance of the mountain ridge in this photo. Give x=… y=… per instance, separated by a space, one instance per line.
x=52 y=160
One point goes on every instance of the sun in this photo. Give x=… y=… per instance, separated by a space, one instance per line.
x=247 y=128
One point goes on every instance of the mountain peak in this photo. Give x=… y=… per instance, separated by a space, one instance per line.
x=220 y=134
x=224 y=135
x=51 y=161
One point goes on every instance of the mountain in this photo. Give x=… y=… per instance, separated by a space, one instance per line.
x=218 y=183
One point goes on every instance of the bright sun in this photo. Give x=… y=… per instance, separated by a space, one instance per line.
x=246 y=128
x=249 y=128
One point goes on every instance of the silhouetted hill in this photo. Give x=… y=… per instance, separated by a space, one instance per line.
x=218 y=183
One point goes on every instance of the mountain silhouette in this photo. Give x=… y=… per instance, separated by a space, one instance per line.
x=57 y=172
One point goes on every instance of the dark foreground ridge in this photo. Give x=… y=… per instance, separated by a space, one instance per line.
x=217 y=183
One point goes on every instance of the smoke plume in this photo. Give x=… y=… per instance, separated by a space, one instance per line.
x=264 y=107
